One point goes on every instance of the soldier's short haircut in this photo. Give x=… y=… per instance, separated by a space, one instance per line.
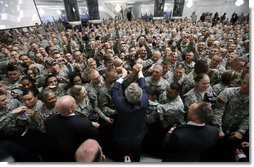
x=46 y=80
x=24 y=54
x=12 y=68
x=29 y=90
x=153 y=92
x=110 y=71
x=26 y=78
x=44 y=94
x=180 y=65
x=201 y=66
x=176 y=86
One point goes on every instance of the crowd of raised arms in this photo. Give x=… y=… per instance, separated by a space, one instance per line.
x=184 y=62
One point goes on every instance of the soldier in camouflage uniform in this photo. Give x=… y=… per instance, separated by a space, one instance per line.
x=5 y=60
x=27 y=111
x=188 y=62
x=229 y=78
x=153 y=138
x=27 y=63
x=166 y=70
x=201 y=66
x=152 y=115
x=13 y=81
x=231 y=112
x=108 y=109
x=171 y=108
x=178 y=75
x=93 y=89
x=104 y=97
x=91 y=65
x=48 y=98
x=33 y=70
x=156 y=81
x=57 y=70
x=84 y=106
x=231 y=116
x=156 y=58
x=196 y=94
x=8 y=121
x=52 y=83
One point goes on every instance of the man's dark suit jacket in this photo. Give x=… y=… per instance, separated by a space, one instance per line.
x=130 y=126
x=69 y=132
x=188 y=142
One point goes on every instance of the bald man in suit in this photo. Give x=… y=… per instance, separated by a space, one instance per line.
x=67 y=129
x=89 y=151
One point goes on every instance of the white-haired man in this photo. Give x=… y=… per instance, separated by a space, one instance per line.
x=130 y=123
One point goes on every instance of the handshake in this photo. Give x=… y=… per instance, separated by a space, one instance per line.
x=137 y=68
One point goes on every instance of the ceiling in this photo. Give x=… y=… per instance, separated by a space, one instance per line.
x=57 y=2
x=83 y=2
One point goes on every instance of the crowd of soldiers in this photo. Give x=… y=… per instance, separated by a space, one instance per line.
x=183 y=62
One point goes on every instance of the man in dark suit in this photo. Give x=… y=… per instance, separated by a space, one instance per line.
x=130 y=123
x=186 y=143
x=67 y=129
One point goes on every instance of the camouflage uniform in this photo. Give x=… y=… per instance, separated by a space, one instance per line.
x=84 y=75
x=217 y=88
x=60 y=90
x=3 y=65
x=105 y=101
x=32 y=121
x=43 y=72
x=8 y=121
x=232 y=114
x=221 y=69
x=246 y=57
x=172 y=79
x=13 y=87
x=84 y=108
x=152 y=115
x=41 y=116
x=188 y=67
x=62 y=74
x=173 y=66
x=214 y=76
x=167 y=75
x=171 y=110
x=189 y=82
x=161 y=85
x=93 y=91
x=194 y=96
x=147 y=63
x=41 y=75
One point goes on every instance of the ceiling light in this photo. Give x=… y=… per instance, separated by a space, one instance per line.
x=118 y=8
x=59 y=12
x=189 y=4
x=239 y=2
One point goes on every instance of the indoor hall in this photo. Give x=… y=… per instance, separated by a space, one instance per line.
x=151 y=80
